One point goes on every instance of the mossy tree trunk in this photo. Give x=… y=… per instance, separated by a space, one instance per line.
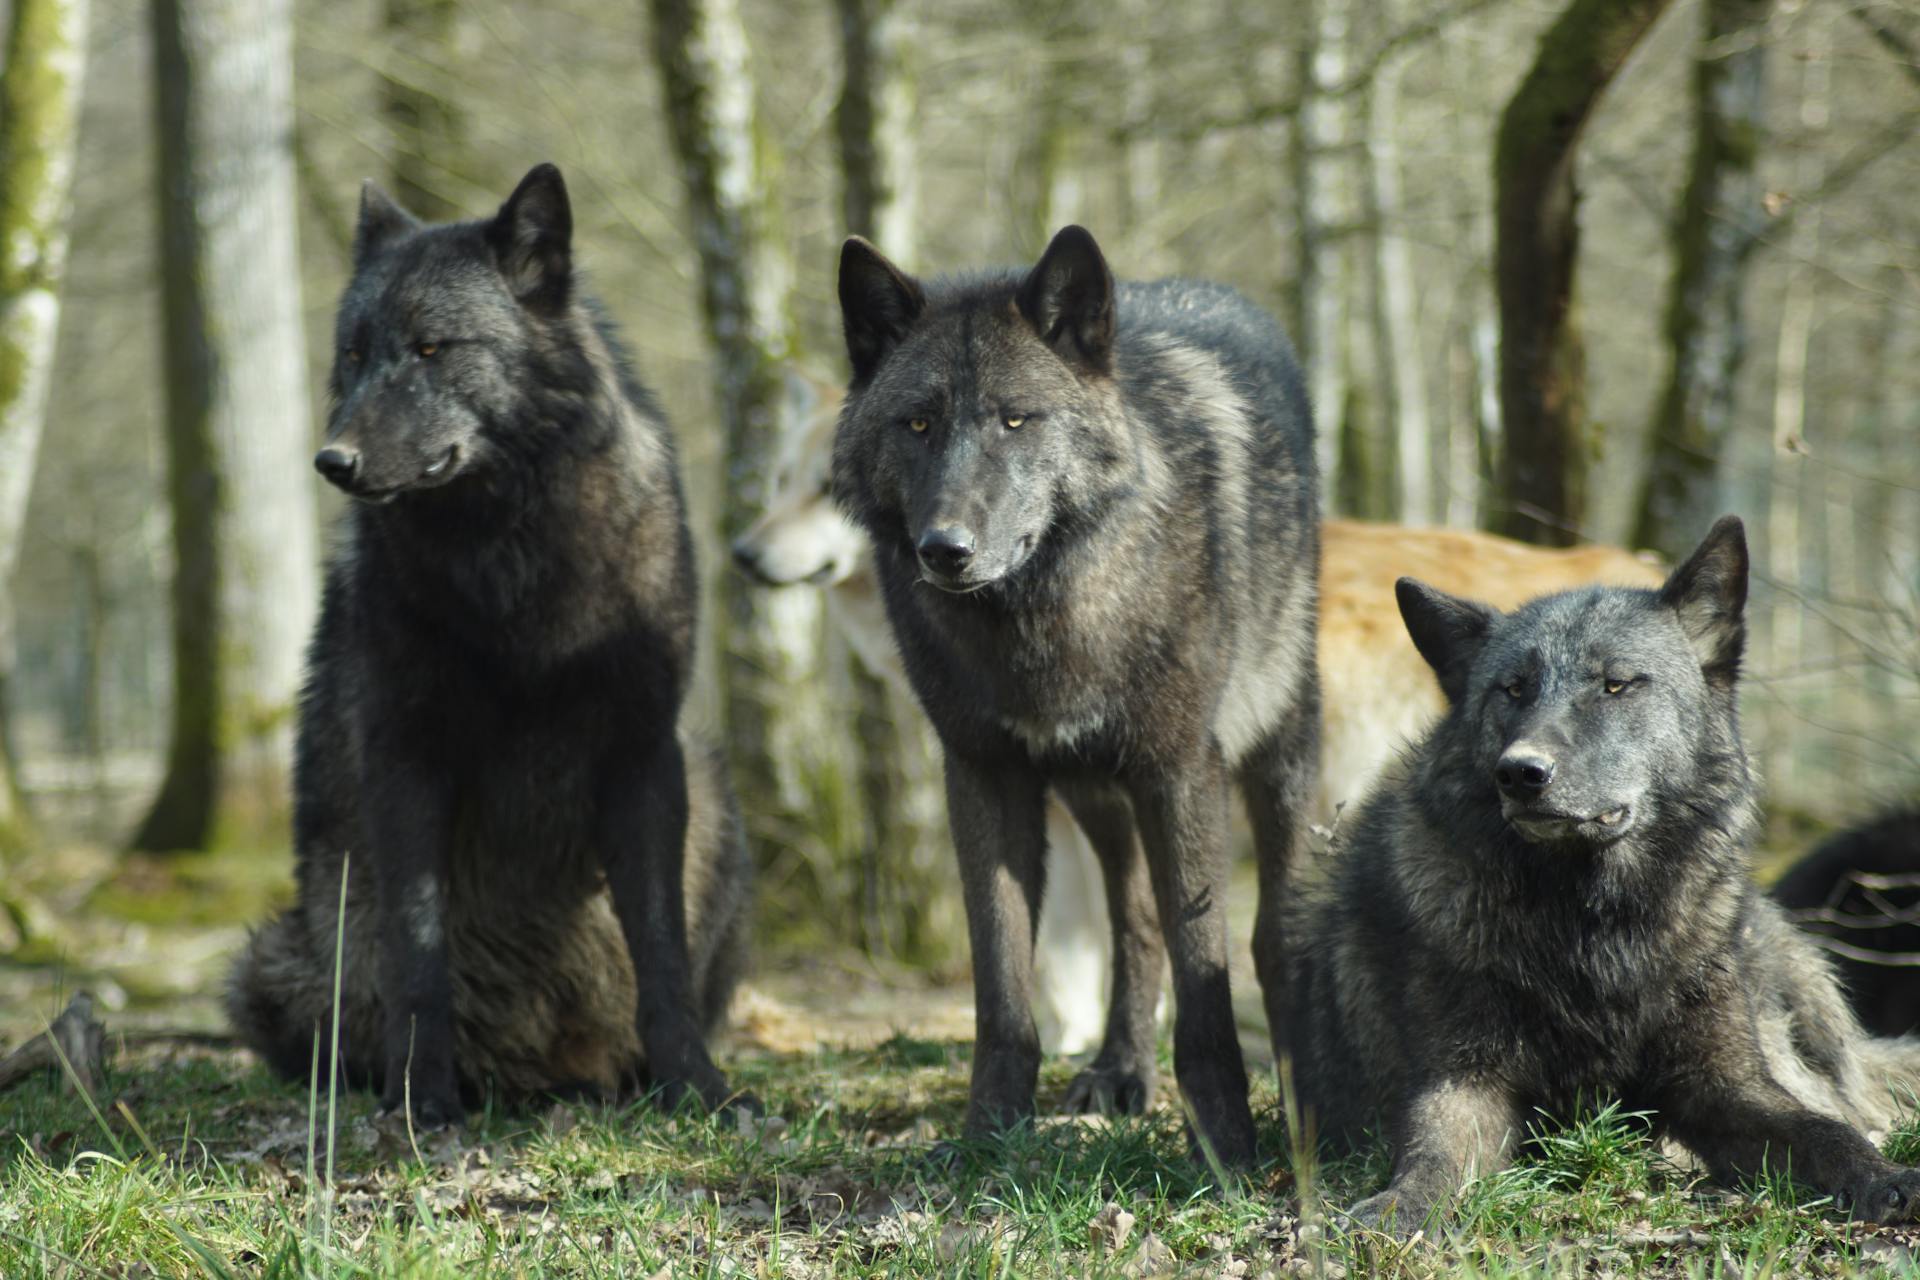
x=1537 y=231
x=46 y=54
x=238 y=430
x=874 y=126
x=788 y=758
x=1719 y=225
x=873 y=122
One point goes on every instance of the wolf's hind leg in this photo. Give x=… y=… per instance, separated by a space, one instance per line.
x=1277 y=782
x=1119 y=1081
x=1182 y=811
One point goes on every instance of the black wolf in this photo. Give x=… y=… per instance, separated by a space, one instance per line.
x=1872 y=930
x=1549 y=898
x=1094 y=522
x=546 y=885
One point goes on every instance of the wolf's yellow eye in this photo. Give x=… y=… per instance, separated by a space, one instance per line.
x=1014 y=419
x=353 y=355
x=1615 y=686
x=426 y=349
x=919 y=425
x=1516 y=691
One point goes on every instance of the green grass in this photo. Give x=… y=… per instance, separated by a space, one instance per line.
x=203 y=1167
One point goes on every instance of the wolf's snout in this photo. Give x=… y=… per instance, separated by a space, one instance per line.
x=945 y=551
x=1523 y=772
x=337 y=465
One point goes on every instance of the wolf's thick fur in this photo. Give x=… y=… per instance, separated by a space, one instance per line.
x=1549 y=899
x=488 y=744
x=1094 y=522
x=1377 y=694
x=1870 y=933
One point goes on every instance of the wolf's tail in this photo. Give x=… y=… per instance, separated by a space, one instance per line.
x=272 y=997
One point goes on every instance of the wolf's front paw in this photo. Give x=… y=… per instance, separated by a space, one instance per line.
x=1110 y=1090
x=1892 y=1195
x=1386 y=1213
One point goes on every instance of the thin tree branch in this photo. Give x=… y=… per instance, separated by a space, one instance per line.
x=1906 y=55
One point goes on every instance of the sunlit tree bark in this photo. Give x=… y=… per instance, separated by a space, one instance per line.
x=46 y=54
x=240 y=482
x=789 y=773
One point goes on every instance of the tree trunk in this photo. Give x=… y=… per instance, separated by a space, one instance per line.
x=428 y=126
x=39 y=125
x=1323 y=201
x=1719 y=224
x=1537 y=230
x=1398 y=336
x=1789 y=493
x=238 y=436
x=778 y=731
x=874 y=122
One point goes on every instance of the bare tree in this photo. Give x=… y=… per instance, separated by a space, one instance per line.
x=874 y=125
x=1720 y=222
x=45 y=65
x=784 y=756
x=1537 y=231
x=238 y=434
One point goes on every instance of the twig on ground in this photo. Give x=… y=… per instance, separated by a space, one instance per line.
x=75 y=1040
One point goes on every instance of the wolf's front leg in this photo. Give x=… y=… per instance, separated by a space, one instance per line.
x=1449 y=1131
x=406 y=819
x=1743 y=1123
x=1120 y=1078
x=999 y=835
x=643 y=821
x=1182 y=812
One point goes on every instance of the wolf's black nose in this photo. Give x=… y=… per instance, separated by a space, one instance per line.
x=336 y=464
x=1523 y=772
x=945 y=550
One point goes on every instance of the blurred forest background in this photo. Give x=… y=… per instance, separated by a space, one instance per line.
x=1685 y=229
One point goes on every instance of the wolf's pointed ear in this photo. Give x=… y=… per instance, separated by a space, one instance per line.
x=1068 y=298
x=1709 y=593
x=1449 y=632
x=532 y=238
x=878 y=304
x=380 y=221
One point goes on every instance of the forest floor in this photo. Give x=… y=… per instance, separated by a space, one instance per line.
x=195 y=1162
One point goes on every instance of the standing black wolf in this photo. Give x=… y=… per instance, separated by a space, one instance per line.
x=546 y=886
x=1094 y=520
x=1550 y=898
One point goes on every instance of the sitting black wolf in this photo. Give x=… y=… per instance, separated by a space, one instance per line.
x=545 y=888
x=1094 y=521
x=1549 y=899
